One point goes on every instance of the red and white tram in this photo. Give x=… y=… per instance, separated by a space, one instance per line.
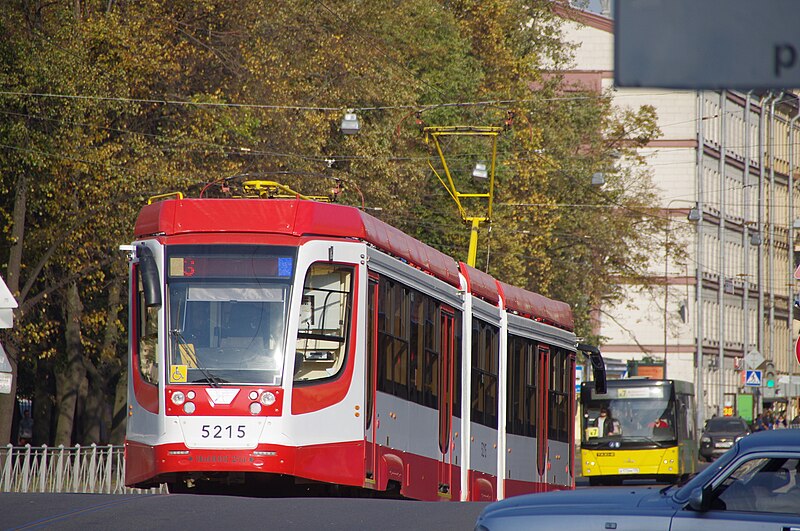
x=277 y=341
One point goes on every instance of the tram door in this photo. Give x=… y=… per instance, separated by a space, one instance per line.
x=447 y=321
x=542 y=420
x=370 y=387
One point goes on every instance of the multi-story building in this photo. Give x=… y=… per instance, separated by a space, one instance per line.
x=722 y=170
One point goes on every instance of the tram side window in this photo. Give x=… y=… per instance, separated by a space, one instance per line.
x=559 y=395
x=432 y=350
x=522 y=387
x=485 y=352
x=410 y=343
x=515 y=414
x=458 y=334
x=393 y=338
x=147 y=334
x=324 y=322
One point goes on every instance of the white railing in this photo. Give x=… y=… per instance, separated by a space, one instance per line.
x=95 y=469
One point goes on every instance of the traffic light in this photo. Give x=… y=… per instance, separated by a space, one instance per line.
x=769 y=375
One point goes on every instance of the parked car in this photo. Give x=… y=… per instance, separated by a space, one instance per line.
x=719 y=435
x=755 y=485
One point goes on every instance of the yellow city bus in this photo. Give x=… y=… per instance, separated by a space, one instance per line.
x=647 y=431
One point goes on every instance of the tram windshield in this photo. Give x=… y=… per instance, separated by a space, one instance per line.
x=628 y=415
x=227 y=313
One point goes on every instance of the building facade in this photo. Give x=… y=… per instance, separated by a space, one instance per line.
x=722 y=168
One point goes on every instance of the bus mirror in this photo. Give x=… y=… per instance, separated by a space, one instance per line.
x=598 y=367
x=151 y=284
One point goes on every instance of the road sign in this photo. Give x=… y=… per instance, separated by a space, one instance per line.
x=752 y=378
x=5 y=365
x=753 y=359
x=691 y=44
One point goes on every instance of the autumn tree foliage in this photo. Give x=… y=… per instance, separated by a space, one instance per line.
x=104 y=103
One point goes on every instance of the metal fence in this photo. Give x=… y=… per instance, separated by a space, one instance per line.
x=91 y=469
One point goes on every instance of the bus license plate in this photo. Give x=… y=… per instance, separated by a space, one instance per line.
x=221 y=432
x=628 y=470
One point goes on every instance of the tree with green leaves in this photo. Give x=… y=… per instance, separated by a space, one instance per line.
x=107 y=103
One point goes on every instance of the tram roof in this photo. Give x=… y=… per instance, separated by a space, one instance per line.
x=295 y=217
x=299 y=217
x=537 y=306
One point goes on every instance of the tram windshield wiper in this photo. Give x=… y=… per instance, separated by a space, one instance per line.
x=212 y=379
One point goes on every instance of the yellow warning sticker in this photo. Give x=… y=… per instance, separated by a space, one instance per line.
x=177 y=374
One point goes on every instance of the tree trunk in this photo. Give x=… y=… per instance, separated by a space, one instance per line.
x=44 y=391
x=92 y=414
x=115 y=362
x=68 y=381
x=120 y=414
x=8 y=401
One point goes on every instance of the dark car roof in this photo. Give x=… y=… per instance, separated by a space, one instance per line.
x=726 y=424
x=771 y=440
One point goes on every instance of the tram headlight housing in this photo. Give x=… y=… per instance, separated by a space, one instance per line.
x=267 y=398
x=178 y=398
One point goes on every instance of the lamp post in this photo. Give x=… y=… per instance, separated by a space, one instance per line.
x=693 y=215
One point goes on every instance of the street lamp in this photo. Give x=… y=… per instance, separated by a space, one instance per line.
x=350 y=125
x=598 y=179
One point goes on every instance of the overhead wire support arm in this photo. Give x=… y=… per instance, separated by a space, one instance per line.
x=493 y=132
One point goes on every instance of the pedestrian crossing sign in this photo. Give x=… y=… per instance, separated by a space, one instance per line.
x=752 y=378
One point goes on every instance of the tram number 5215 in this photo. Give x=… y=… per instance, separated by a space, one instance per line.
x=215 y=431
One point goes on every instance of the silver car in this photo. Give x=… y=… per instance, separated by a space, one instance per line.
x=755 y=485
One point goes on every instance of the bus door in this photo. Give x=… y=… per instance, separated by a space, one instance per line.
x=445 y=475
x=542 y=421
x=370 y=387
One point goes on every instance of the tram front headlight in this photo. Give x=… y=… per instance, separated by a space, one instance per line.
x=178 y=398
x=267 y=398
x=255 y=408
x=189 y=408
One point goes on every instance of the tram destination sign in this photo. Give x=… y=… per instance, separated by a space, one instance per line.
x=707 y=44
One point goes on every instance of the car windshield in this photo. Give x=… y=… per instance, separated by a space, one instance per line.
x=722 y=424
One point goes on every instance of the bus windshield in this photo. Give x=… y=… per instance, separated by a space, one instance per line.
x=633 y=415
x=227 y=313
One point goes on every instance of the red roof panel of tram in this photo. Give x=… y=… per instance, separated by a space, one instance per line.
x=290 y=216
x=537 y=306
x=480 y=284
